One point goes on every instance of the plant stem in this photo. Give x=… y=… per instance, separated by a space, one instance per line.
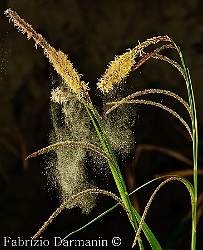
x=115 y=171
x=113 y=167
x=195 y=144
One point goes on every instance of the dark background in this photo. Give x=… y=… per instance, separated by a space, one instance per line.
x=92 y=32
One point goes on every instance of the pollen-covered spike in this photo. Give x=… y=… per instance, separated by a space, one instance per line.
x=58 y=59
x=122 y=65
x=117 y=70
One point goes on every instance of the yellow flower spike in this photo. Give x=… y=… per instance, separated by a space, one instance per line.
x=122 y=65
x=117 y=70
x=58 y=59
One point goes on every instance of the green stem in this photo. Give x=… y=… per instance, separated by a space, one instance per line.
x=195 y=144
x=195 y=175
x=113 y=167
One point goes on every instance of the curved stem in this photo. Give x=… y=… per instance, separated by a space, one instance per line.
x=173 y=178
x=195 y=141
x=171 y=111
x=70 y=143
x=150 y=91
x=70 y=200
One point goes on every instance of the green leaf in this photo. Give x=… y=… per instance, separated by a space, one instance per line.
x=148 y=233
x=92 y=221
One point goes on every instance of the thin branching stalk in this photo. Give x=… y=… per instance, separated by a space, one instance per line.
x=147 y=56
x=150 y=91
x=157 y=104
x=70 y=143
x=70 y=200
x=172 y=62
x=173 y=178
x=155 y=54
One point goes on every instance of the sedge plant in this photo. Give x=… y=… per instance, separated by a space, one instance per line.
x=74 y=92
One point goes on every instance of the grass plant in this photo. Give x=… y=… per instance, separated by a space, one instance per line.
x=116 y=72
